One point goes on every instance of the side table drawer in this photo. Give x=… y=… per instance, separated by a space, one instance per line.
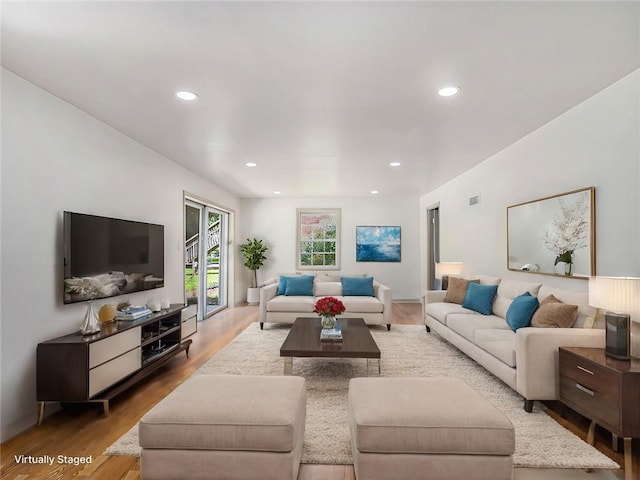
x=590 y=375
x=590 y=402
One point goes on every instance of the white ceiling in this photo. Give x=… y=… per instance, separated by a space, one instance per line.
x=322 y=96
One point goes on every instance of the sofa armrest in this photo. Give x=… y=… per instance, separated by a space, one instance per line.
x=433 y=296
x=537 y=357
x=383 y=293
x=270 y=281
x=266 y=293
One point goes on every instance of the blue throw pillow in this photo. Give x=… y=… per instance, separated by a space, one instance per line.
x=521 y=310
x=282 y=285
x=299 y=286
x=480 y=297
x=357 y=286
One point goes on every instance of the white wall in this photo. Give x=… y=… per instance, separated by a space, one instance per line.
x=597 y=143
x=54 y=158
x=274 y=220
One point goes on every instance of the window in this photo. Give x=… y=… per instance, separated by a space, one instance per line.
x=318 y=239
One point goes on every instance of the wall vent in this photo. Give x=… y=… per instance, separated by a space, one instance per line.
x=474 y=199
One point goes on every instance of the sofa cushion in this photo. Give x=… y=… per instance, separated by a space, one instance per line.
x=586 y=314
x=507 y=291
x=555 y=314
x=521 y=310
x=457 y=290
x=357 y=286
x=355 y=304
x=500 y=343
x=465 y=324
x=299 y=286
x=440 y=310
x=480 y=297
x=327 y=289
x=488 y=280
x=282 y=303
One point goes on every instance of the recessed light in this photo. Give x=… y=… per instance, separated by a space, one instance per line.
x=277 y=192
x=395 y=164
x=185 y=95
x=374 y=192
x=448 y=91
x=251 y=164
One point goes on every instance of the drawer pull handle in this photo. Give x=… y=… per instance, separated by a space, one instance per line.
x=585 y=370
x=585 y=390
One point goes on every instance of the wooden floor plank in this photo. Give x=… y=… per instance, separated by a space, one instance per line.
x=82 y=430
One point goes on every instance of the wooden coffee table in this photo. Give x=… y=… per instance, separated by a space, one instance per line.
x=304 y=341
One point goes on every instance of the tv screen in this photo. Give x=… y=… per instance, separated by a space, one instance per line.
x=105 y=257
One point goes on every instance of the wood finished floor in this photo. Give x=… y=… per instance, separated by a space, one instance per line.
x=83 y=431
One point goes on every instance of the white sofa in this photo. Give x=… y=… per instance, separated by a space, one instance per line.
x=274 y=308
x=527 y=359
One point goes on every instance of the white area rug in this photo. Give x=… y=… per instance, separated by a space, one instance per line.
x=407 y=350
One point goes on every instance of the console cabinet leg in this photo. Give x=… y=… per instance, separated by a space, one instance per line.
x=628 y=459
x=105 y=407
x=40 y=412
x=428 y=328
x=261 y=325
x=388 y=327
x=591 y=434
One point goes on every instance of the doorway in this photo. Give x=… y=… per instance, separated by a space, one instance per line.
x=205 y=257
x=433 y=247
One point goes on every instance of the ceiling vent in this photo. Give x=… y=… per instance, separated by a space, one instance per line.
x=474 y=199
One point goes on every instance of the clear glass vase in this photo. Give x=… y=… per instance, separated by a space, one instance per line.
x=90 y=325
x=328 y=321
x=568 y=269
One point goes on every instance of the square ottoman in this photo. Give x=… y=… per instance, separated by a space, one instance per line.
x=226 y=427
x=427 y=428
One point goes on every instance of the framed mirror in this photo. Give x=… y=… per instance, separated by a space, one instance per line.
x=553 y=235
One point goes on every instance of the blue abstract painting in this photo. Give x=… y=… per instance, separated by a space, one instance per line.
x=378 y=244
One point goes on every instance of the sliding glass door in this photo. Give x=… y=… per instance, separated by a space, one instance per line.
x=205 y=257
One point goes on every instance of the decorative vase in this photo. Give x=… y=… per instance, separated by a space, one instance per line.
x=90 y=325
x=568 y=269
x=328 y=321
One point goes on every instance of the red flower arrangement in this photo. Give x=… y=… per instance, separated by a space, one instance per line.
x=329 y=307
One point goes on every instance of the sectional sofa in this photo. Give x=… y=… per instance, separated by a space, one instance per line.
x=279 y=306
x=525 y=359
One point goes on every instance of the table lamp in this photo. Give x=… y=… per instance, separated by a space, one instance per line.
x=444 y=270
x=621 y=297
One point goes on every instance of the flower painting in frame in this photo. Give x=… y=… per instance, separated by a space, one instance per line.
x=378 y=244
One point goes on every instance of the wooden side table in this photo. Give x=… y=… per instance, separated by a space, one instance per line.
x=605 y=390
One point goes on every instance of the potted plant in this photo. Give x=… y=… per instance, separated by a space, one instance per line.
x=254 y=255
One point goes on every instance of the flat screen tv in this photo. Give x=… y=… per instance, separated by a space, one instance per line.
x=105 y=257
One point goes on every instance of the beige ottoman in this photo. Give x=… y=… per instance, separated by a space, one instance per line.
x=226 y=427
x=427 y=428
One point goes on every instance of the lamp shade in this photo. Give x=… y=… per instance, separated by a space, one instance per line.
x=448 y=268
x=617 y=294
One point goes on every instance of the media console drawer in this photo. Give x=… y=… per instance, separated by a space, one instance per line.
x=114 y=370
x=111 y=347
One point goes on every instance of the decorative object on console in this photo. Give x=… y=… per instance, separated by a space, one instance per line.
x=378 y=244
x=107 y=313
x=562 y=224
x=328 y=308
x=254 y=254
x=444 y=270
x=153 y=305
x=621 y=295
x=90 y=325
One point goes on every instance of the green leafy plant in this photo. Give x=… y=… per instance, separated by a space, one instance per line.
x=254 y=254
